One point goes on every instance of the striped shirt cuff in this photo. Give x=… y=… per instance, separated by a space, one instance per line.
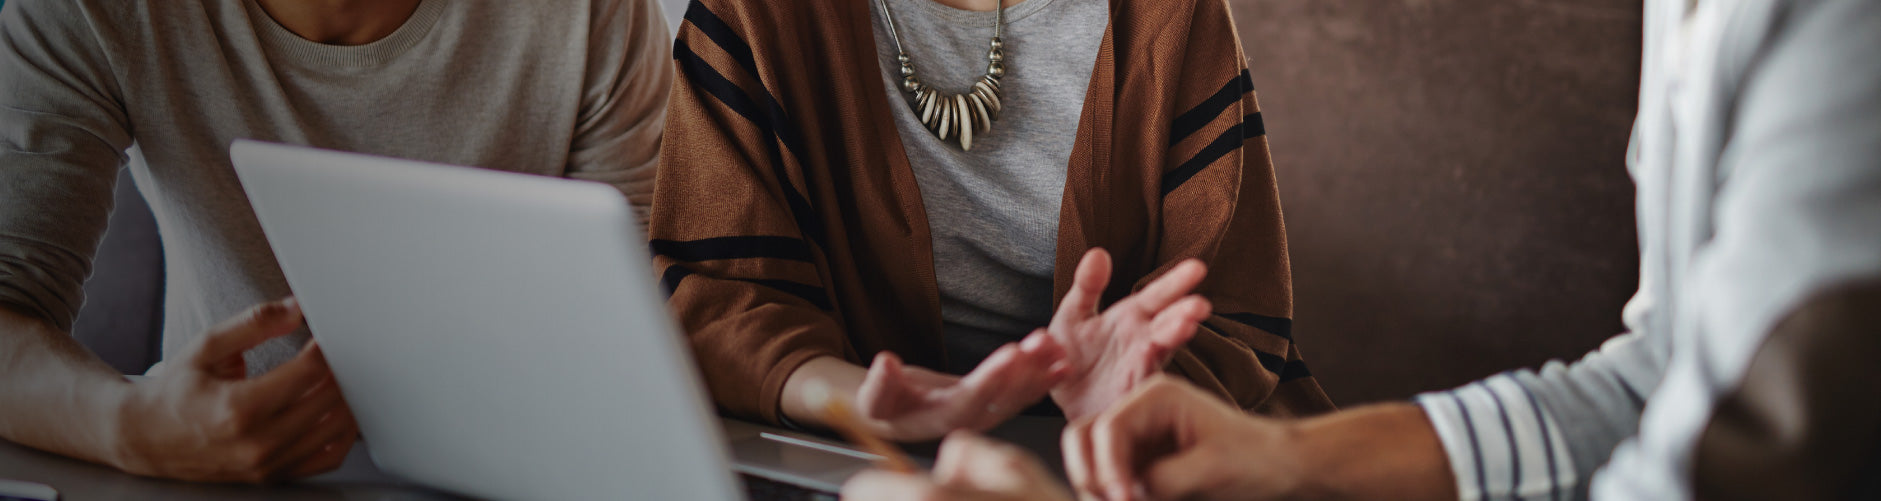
x=1501 y=443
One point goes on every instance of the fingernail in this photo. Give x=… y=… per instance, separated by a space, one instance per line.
x=1033 y=342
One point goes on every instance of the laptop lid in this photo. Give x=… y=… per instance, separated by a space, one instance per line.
x=496 y=334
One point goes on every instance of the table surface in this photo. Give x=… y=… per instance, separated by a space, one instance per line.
x=357 y=478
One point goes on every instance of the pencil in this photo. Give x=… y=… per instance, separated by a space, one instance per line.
x=838 y=415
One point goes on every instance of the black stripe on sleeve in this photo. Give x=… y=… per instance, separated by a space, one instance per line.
x=1515 y=451
x=728 y=40
x=1295 y=369
x=1476 y=448
x=705 y=76
x=814 y=295
x=1253 y=125
x=1277 y=326
x=1229 y=141
x=671 y=278
x=1192 y=121
x=1273 y=363
x=721 y=34
x=786 y=248
x=1547 y=442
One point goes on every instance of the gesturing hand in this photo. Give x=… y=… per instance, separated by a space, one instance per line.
x=912 y=404
x=204 y=420
x=970 y=468
x=1110 y=353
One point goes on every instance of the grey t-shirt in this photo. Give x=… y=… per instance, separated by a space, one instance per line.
x=994 y=211
x=574 y=89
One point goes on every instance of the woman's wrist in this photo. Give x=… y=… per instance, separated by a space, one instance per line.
x=837 y=376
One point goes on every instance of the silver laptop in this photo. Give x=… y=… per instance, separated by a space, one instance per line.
x=501 y=335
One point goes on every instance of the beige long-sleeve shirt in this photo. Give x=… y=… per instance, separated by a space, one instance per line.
x=573 y=88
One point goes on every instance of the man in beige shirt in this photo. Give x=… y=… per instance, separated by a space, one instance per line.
x=572 y=89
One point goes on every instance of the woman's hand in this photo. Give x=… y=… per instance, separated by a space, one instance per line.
x=1112 y=352
x=970 y=468
x=911 y=403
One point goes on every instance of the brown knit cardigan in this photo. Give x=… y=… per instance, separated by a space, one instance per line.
x=788 y=225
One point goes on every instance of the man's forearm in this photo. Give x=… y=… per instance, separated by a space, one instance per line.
x=1387 y=451
x=57 y=396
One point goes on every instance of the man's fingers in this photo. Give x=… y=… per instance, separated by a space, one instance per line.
x=950 y=464
x=332 y=453
x=1121 y=438
x=1076 y=442
x=1182 y=475
x=302 y=414
x=1178 y=282
x=249 y=329
x=975 y=462
x=887 y=486
x=337 y=427
x=285 y=384
x=326 y=460
x=1087 y=288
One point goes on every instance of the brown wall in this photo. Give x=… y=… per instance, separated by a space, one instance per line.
x=1453 y=177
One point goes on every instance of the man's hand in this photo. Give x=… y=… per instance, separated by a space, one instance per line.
x=970 y=468
x=1170 y=440
x=204 y=420
x=1110 y=353
x=911 y=403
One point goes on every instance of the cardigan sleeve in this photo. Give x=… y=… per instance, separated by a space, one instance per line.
x=1221 y=205
x=746 y=283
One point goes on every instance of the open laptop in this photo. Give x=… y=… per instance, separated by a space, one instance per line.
x=501 y=335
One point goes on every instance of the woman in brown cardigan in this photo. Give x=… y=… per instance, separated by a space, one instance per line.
x=918 y=185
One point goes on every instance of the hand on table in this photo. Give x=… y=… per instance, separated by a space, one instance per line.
x=970 y=468
x=911 y=403
x=1171 y=440
x=1110 y=353
x=205 y=420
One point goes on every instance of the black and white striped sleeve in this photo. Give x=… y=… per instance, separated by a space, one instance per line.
x=1501 y=443
x=1535 y=435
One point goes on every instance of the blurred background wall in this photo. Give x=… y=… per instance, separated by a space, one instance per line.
x=1451 y=170
x=1453 y=179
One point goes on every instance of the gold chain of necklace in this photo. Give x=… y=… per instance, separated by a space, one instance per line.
x=959 y=116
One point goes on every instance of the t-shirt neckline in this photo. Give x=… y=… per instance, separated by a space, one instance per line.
x=283 y=43
x=975 y=18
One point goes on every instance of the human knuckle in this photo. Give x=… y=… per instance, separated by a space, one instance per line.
x=239 y=421
x=251 y=456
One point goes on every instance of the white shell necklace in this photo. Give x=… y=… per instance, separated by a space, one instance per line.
x=959 y=116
